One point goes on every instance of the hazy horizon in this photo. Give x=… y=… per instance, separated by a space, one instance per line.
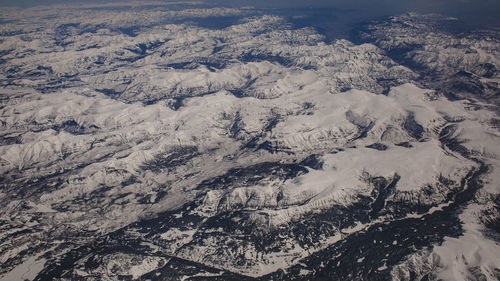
x=480 y=12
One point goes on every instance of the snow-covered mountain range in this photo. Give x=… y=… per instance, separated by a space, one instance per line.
x=167 y=142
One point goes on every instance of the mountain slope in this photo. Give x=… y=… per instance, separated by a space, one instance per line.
x=162 y=149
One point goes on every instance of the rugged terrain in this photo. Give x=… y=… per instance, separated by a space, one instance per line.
x=168 y=142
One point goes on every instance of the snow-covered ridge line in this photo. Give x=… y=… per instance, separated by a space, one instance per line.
x=247 y=148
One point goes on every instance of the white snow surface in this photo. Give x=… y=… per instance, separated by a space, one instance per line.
x=28 y=270
x=132 y=108
x=458 y=255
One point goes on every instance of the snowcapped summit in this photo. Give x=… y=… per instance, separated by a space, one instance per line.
x=174 y=142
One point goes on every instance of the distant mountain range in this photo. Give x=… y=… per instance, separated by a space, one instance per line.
x=173 y=142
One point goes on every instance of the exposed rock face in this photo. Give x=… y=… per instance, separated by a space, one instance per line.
x=457 y=62
x=146 y=146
